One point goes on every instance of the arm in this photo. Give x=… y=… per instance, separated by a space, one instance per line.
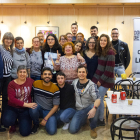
x=57 y=64
x=28 y=71
x=108 y=69
x=127 y=57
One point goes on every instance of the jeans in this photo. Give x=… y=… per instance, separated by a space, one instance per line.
x=102 y=92
x=10 y=116
x=64 y=116
x=119 y=70
x=51 y=125
x=4 y=85
x=34 y=77
x=80 y=118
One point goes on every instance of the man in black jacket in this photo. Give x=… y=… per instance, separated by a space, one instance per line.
x=122 y=57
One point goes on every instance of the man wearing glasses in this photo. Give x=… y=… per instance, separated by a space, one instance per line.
x=122 y=58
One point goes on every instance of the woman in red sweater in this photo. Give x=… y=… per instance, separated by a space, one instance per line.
x=104 y=75
x=19 y=95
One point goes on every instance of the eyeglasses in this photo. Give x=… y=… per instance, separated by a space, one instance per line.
x=36 y=42
x=63 y=39
x=79 y=36
x=69 y=36
x=50 y=39
x=91 y=42
x=114 y=33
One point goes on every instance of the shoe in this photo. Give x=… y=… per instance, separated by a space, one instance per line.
x=12 y=129
x=93 y=133
x=66 y=126
x=34 y=129
x=101 y=123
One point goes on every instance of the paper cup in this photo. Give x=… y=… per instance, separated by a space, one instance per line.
x=118 y=95
x=109 y=94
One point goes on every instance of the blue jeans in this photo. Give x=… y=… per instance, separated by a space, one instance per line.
x=34 y=77
x=102 y=92
x=51 y=125
x=10 y=116
x=64 y=116
x=80 y=118
x=119 y=70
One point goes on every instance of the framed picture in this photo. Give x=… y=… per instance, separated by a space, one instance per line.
x=47 y=30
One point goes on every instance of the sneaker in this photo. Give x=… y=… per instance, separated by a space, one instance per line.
x=66 y=126
x=93 y=133
x=12 y=129
x=101 y=123
x=34 y=129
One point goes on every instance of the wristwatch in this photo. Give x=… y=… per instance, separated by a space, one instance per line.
x=95 y=107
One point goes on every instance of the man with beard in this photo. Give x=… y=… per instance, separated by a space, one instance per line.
x=47 y=96
x=94 y=32
x=41 y=38
x=122 y=57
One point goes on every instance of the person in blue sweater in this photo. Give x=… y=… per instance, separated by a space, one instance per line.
x=90 y=57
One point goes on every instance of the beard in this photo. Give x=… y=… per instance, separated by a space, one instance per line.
x=46 y=80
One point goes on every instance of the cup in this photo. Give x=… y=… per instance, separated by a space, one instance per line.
x=118 y=95
x=130 y=102
x=134 y=78
x=109 y=94
x=123 y=76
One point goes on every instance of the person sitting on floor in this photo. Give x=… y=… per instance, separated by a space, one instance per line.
x=87 y=102
x=67 y=101
x=46 y=95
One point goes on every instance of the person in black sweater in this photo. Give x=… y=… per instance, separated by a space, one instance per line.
x=67 y=101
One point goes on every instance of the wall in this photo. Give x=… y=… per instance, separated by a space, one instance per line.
x=108 y=17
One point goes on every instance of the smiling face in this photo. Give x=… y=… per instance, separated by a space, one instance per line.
x=91 y=44
x=19 y=44
x=82 y=74
x=78 y=47
x=46 y=76
x=51 y=41
x=62 y=40
x=74 y=29
x=103 y=42
x=41 y=37
x=8 y=42
x=22 y=74
x=93 y=32
x=68 y=50
x=36 y=43
x=115 y=35
x=69 y=36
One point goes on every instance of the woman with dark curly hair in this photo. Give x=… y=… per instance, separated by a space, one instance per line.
x=50 y=53
x=104 y=75
x=90 y=56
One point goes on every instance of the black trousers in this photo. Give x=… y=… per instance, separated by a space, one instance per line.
x=4 y=85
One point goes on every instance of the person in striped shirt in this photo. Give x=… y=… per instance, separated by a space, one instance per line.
x=47 y=96
x=104 y=75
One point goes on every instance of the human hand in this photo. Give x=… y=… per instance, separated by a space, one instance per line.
x=98 y=84
x=32 y=105
x=91 y=113
x=79 y=57
x=43 y=122
x=58 y=55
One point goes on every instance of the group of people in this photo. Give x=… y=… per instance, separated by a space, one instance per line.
x=60 y=80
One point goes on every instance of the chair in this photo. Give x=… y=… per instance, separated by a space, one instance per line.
x=137 y=133
x=136 y=89
x=130 y=123
x=134 y=73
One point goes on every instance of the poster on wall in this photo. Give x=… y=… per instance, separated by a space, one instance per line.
x=136 y=47
x=47 y=30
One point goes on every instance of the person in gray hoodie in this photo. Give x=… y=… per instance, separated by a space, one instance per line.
x=87 y=103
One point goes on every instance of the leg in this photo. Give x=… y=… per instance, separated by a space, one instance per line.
x=5 y=82
x=24 y=122
x=34 y=113
x=9 y=116
x=59 y=122
x=79 y=119
x=120 y=70
x=51 y=125
x=67 y=114
x=102 y=92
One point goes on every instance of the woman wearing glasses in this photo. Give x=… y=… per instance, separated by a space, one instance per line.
x=50 y=53
x=36 y=59
x=90 y=57
x=63 y=39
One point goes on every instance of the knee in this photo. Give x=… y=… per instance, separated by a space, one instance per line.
x=63 y=118
x=33 y=112
x=24 y=133
x=51 y=131
x=7 y=121
x=72 y=129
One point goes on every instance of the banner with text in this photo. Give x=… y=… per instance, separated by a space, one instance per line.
x=136 y=47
